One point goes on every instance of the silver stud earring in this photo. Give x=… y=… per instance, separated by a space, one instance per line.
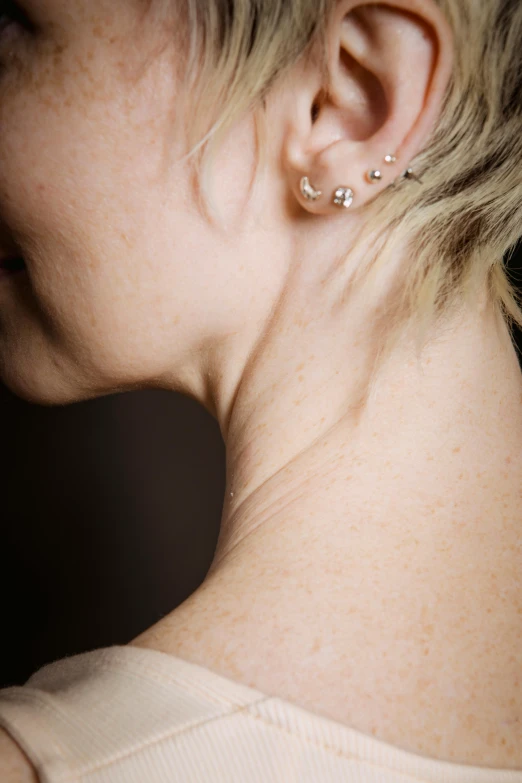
x=343 y=197
x=308 y=191
x=410 y=174
x=374 y=176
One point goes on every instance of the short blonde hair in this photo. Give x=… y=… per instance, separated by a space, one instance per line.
x=467 y=215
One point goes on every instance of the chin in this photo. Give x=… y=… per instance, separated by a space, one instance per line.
x=38 y=388
x=41 y=374
x=37 y=394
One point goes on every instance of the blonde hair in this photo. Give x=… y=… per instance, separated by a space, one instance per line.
x=467 y=215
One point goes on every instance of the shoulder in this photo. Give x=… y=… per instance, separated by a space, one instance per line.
x=14 y=764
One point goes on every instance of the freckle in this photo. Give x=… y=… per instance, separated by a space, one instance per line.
x=508 y=460
x=456 y=449
x=301 y=378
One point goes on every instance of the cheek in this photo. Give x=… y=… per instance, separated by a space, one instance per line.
x=76 y=134
x=123 y=269
x=80 y=192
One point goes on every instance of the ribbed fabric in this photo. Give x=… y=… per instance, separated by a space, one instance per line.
x=124 y=714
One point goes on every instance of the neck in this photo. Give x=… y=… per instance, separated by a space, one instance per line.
x=438 y=443
x=368 y=568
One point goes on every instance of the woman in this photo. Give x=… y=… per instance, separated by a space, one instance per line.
x=295 y=212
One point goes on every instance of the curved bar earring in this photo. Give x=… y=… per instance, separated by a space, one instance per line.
x=309 y=192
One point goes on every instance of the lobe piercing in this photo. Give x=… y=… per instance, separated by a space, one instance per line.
x=343 y=197
x=308 y=191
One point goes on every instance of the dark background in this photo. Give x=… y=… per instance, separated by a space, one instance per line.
x=110 y=513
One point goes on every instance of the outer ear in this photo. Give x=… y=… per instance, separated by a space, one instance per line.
x=389 y=66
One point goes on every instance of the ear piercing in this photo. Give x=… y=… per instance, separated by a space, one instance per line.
x=308 y=191
x=410 y=174
x=375 y=175
x=343 y=196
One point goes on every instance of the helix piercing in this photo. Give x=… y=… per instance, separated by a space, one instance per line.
x=410 y=174
x=308 y=191
x=390 y=159
x=343 y=197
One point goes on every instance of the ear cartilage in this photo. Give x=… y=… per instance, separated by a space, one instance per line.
x=374 y=176
x=343 y=197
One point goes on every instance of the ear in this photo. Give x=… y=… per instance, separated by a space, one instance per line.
x=389 y=69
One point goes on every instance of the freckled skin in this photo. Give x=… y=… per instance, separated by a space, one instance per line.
x=122 y=266
x=394 y=531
